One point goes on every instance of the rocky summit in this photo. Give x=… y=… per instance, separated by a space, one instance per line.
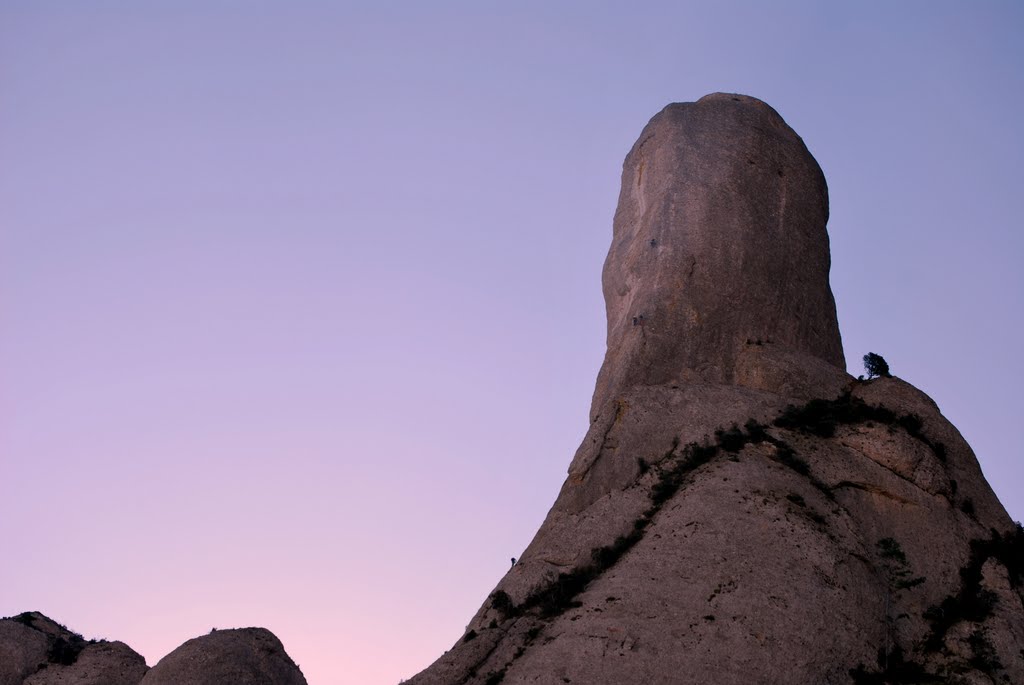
x=35 y=650
x=246 y=656
x=741 y=509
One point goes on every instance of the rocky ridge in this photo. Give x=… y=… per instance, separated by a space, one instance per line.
x=742 y=510
x=35 y=650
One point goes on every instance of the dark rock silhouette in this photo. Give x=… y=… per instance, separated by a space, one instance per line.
x=35 y=650
x=741 y=509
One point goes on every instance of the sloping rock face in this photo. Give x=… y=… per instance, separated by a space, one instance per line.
x=245 y=656
x=102 y=663
x=741 y=510
x=22 y=651
x=717 y=195
x=36 y=650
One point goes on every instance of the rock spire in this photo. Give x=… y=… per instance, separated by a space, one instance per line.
x=741 y=510
x=719 y=239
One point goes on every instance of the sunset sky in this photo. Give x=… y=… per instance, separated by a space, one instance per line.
x=300 y=304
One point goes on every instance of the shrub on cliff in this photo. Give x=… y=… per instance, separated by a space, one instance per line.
x=876 y=366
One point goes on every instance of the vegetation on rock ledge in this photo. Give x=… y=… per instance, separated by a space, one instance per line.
x=876 y=366
x=973 y=602
x=818 y=418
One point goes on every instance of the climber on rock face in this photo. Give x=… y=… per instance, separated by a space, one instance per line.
x=513 y=561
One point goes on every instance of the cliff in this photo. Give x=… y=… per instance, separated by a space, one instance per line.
x=741 y=510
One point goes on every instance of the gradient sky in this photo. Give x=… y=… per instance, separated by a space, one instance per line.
x=301 y=306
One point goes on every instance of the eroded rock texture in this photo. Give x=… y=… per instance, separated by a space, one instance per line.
x=719 y=238
x=742 y=510
x=36 y=650
x=245 y=656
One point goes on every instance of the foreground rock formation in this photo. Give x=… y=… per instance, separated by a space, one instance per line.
x=247 y=656
x=742 y=510
x=35 y=650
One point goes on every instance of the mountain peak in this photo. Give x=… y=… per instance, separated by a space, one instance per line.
x=718 y=243
x=741 y=510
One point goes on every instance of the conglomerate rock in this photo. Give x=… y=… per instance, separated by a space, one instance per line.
x=22 y=651
x=741 y=510
x=36 y=650
x=101 y=663
x=244 y=656
x=719 y=239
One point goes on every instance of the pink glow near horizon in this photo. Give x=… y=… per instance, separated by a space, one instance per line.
x=302 y=307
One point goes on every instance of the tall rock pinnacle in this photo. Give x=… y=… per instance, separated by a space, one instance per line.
x=741 y=510
x=719 y=238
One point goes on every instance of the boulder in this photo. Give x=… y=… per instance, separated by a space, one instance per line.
x=243 y=656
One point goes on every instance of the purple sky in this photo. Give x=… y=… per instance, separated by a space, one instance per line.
x=301 y=302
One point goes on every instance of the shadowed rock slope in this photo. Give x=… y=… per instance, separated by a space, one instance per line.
x=742 y=510
x=35 y=650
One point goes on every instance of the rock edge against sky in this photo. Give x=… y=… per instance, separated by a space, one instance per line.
x=742 y=510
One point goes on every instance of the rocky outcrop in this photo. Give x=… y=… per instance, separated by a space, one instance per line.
x=101 y=663
x=719 y=239
x=246 y=656
x=35 y=650
x=741 y=510
x=23 y=651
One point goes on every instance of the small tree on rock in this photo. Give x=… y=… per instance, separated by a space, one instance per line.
x=876 y=366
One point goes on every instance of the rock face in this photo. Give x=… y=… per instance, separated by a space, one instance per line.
x=103 y=663
x=22 y=651
x=246 y=656
x=741 y=510
x=719 y=199
x=35 y=650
